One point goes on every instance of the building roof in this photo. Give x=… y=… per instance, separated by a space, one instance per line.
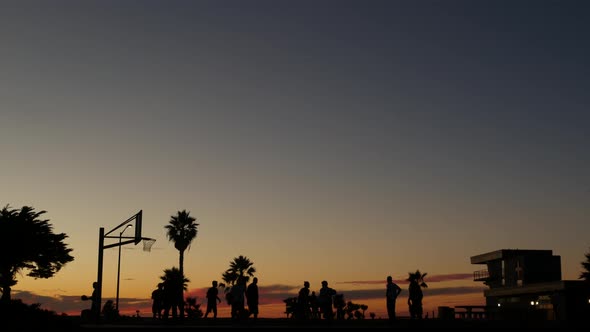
x=506 y=253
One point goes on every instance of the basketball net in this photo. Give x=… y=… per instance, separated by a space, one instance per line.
x=148 y=243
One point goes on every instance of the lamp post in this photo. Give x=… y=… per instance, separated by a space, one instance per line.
x=119 y=265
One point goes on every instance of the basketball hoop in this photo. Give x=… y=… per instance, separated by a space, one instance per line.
x=148 y=243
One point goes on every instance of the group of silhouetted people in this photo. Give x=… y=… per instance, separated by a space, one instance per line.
x=414 y=298
x=166 y=302
x=241 y=295
x=109 y=310
x=238 y=297
x=309 y=306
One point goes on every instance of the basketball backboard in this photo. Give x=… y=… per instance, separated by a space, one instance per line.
x=138 y=217
x=135 y=221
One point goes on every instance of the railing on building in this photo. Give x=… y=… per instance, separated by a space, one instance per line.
x=481 y=275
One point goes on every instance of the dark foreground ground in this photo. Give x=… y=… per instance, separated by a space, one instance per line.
x=148 y=324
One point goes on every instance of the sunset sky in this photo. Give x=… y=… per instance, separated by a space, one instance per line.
x=325 y=140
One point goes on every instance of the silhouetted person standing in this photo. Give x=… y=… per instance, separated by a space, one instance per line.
x=339 y=305
x=109 y=312
x=238 y=293
x=158 y=301
x=325 y=300
x=252 y=297
x=94 y=313
x=303 y=301
x=415 y=299
x=315 y=307
x=212 y=299
x=391 y=293
x=172 y=300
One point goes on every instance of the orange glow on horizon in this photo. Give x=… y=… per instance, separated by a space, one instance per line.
x=377 y=306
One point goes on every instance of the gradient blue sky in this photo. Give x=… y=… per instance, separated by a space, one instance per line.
x=337 y=140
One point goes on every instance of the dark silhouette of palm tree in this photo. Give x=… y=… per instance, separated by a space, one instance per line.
x=175 y=283
x=193 y=309
x=182 y=230
x=418 y=277
x=291 y=306
x=239 y=267
x=28 y=243
x=415 y=296
x=585 y=274
x=173 y=278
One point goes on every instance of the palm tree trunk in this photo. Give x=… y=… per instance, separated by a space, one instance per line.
x=5 y=294
x=181 y=262
x=181 y=268
x=6 y=280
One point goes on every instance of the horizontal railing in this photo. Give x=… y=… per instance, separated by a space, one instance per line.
x=481 y=275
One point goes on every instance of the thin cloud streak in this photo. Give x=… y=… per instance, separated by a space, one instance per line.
x=269 y=295
x=277 y=293
x=368 y=294
x=403 y=280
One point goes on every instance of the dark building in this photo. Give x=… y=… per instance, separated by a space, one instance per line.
x=526 y=284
